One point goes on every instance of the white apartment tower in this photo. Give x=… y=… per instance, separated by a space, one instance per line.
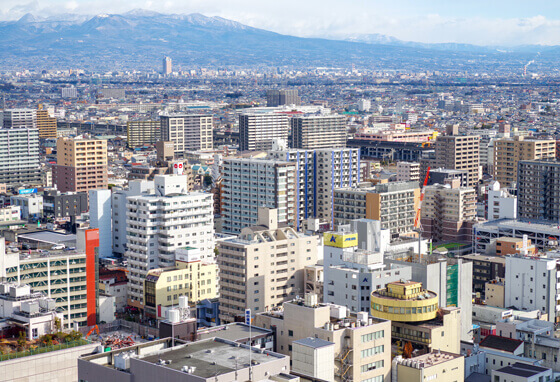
x=318 y=131
x=188 y=132
x=160 y=222
x=258 y=130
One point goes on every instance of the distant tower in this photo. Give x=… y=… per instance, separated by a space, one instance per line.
x=166 y=66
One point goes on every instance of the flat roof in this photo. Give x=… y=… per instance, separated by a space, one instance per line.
x=210 y=357
x=522 y=370
x=48 y=237
x=313 y=342
x=234 y=332
x=435 y=358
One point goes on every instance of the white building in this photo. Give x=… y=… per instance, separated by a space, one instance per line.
x=100 y=217
x=31 y=205
x=532 y=283
x=163 y=221
x=10 y=213
x=313 y=357
x=364 y=105
x=408 y=171
x=258 y=130
x=188 y=132
x=501 y=204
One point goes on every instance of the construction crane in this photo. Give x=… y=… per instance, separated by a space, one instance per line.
x=417 y=223
x=95 y=328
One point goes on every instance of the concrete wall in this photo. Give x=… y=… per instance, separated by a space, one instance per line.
x=59 y=366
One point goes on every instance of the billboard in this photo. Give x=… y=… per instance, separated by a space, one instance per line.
x=27 y=191
x=178 y=168
x=339 y=240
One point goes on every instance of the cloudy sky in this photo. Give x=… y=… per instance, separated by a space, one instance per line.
x=488 y=22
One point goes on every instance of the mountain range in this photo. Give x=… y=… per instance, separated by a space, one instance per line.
x=139 y=39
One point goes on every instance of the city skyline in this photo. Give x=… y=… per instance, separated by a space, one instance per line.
x=495 y=24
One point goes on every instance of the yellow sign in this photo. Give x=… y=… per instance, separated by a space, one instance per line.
x=340 y=240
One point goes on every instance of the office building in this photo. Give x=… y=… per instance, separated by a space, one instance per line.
x=459 y=152
x=532 y=284
x=208 y=360
x=69 y=92
x=393 y=204
x=118 y=210
x=318 y=173
x=514 y=246
x=190 y=277
x=161 y=221
x=188 y=132
x=167 y=66
x=509 y=151
x=257 y=131
x=45 y=123
x=248 y=184
x=362 y=344
x=100 y=218
x=282 y=97
x=311 y=132
x=19 y=148
x=30 y=205
x=64 y=205
x=448 y=212
x=413 y=313
x=500 y=203
x=432 y=366
x=408 y=172
x=81 y=164
x=538 y=197
x=263 y=266
x=140 y=133
x=69 y=277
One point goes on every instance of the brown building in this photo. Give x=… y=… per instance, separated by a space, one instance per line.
x=45 y=123
x=509 y=151
x=81 y=164
x=512 y=246
x=459 y=152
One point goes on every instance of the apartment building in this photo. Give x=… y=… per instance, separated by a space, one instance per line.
x=279 y=97
x=69 y=277
x=509 y=151
x=19 y=148
x=188 y=132
x=161 y=221
x=263 y=266
x=448 y=212
x=81 y=164
x=459 y=152
x=140 y=133
x=318 y=173
x=248 y=184
x=258 y=130
x=538 y=196
x=408 y=172
x=445 y=175
x=190 y=277
x=10 y=214
x=311 y=132
x=393 y=204
x=362 y=344
x=501 y=204
x=45 y=124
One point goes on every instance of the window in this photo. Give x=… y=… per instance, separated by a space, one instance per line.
x=373 y=351
x=372 y=366
x=379 y=378
x=290 y=333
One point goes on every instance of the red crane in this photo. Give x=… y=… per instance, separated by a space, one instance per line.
x=417 y=223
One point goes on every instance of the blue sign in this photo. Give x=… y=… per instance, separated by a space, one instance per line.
x=333 y=239
x=27 y=191
x=248 y=316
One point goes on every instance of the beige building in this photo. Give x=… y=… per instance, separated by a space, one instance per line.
x=408 y=172
x=139 y=133
x=318 y=131
x=459 y=152
x=81 y=164
x=448 y=212
x=394 y=204
x=495 y=293
x=362 y=344
x=263 y=266
x=45 y=123
x=188 y=132
x=435 y=366
x=509 y=151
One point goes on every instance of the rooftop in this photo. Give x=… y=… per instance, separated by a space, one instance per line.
x=430 y=359
x=313 y=342
x=522 y=370
x=234 y=332
x=501 y=343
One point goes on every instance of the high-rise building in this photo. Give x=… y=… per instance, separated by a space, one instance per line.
x=408 y=172
x=258 y=130
x=100 y=218
x=538 y=197
x=282 y=97
x=188 y=132
x=362 y=344
x=509 y=151
x=248 y=184
x=45 y=123
x=81 y=164
x=161 y=221
x=139 y=133
x=318 y=131
x=263 y=266
x=393 y=204
x=19 y=148
x=167 y=66
x=448 y=212
x=459 y=152
x=318 y=173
